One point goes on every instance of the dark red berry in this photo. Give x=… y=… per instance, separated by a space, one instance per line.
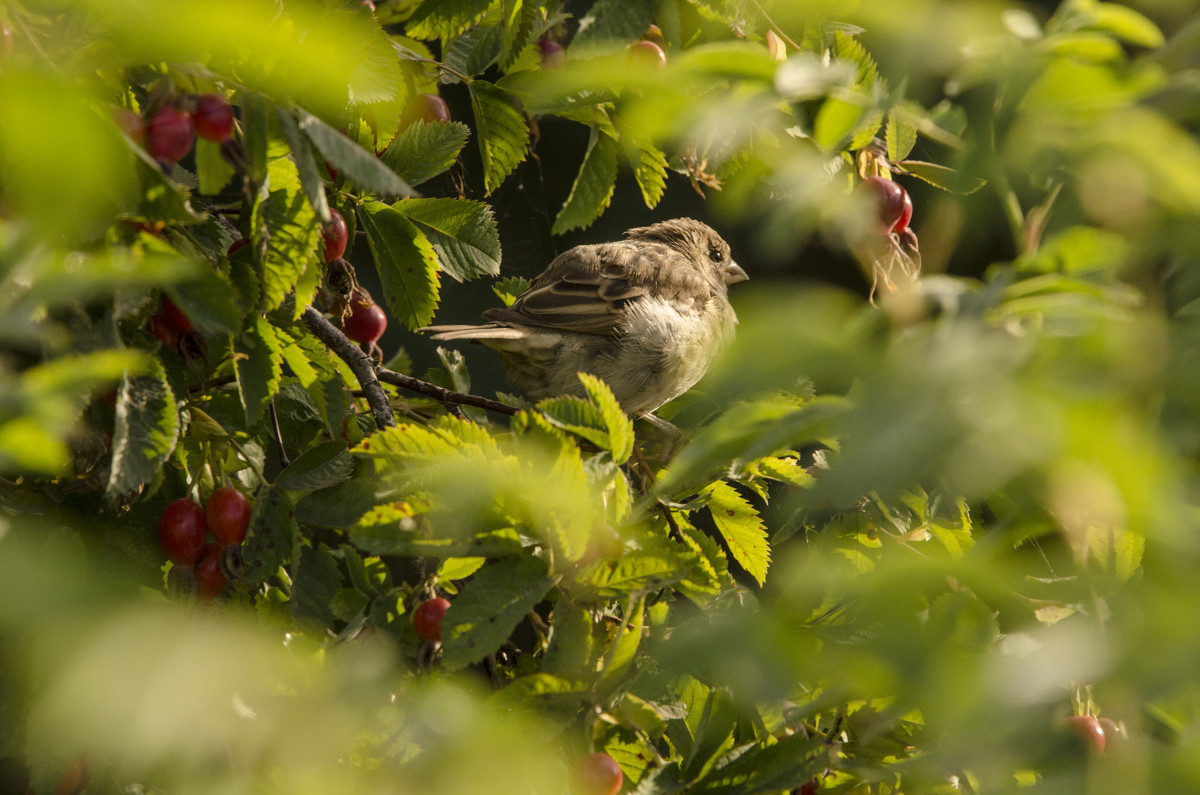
x=596 y=774
x=906 y=211
x=237 y=244
x=426 y=108
x=810 y=787
x=366 y=322
x=427 y=618
x=1090 y=730
x=227 y=514
x=182 y=531
x=130 y=123
x=336 y=237
x=169 y=134
x=888 y=200
x=647 y=54
x=210 y=579
x=553 y=54
x=213 y=118
x=175 y=317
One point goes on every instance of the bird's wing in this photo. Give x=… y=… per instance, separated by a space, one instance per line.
x=587 y=289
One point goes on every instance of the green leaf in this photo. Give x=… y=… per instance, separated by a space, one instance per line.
x=425 y=149
x=316 y=581
x=489 y=608
x=572 y=648
x=378 y=78
x=256 y=132
x=474 y=51
x=503 y=135
x=901 y=135
x=851 y=49
x=445 y=18
x=624 y=649
x=318 y=467
x=593 y=188
x=406 y=262
x=743 y=530
x=310 y=173
x=209 y=301
x=759 y=769
x=654 y=566
x=462 y=232
x=212 y=170
x=257 y=361
x=616 y=421
x=1126 y=24
x=287 y=220
x=271 y=535
x=145 y=430
x=351 y=160
x=617 y=21
x=837 y=122
x=650 y=171
x=509 y=288
x=942 y=177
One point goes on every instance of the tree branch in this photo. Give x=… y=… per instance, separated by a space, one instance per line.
x=360 y=364
x=443 y=395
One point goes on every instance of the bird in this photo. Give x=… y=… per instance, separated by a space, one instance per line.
x=647 y=315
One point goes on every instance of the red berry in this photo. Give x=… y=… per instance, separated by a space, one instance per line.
x=427 y=618
x=336 y=237
x=596 y=774
x=426 y=108
x=905 y=215
x=182 y=531
x=175 y=317
x=169 y=134
x=888 y=199
x=165 y=334
x=366 y=322
x=1090 y=730
x=553 y=54
x=237 y=244
x=210 y=579
x=227 y=513
x=647 y=54
x=130 y=123
x=810 y=787
x=213 y=118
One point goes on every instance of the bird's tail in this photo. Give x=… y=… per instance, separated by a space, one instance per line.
x=485 y=332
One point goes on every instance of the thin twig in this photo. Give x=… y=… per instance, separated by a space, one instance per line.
x=359 y=363
x=441 y=394
x=283 y=456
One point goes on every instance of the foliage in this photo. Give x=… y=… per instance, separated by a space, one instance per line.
x=894 y=546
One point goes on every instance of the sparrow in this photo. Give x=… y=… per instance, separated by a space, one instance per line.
x=646 y=314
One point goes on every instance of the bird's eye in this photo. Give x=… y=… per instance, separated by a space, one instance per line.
x=716 y=254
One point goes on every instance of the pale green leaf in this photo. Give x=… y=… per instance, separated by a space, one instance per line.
x=292 y=234
x=743 y=530
x=900 y=135
x=462 y=232
x=351 y=160
x=212 y=170
x=1126 y=24
x=616 y=421
x=444 y=18
x=257 y=359
x=310 y=173
x=425 y=149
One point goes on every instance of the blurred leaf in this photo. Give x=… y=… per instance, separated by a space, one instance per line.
x=480 y=620
x=837 y=122
x=462 y=233
x=500 y=127
x=425 y=149
x=741 y=527
x=315 y=583
x=351 y=160
x=594 y=186
x=1125 y=23
x=406 y=261
x=616 y=21
x=145 y=433
x=209 y=301
x=941 y=176
x=851 y=49
x=212 y=171
x=309 y=172
x=901 y=135
x=650 y=171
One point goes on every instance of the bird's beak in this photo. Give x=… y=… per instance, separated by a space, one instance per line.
x=733 y=273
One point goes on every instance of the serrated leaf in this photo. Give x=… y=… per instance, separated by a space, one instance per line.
x=444 y=18
x=209 y=301
x=758 y=769
x=474 y=51
x=851 y=49
x=145 y=430
x=425 y=149
x=378 y=77
x=620 y=656
x=316 y=581
x=578 y=416
x=710 y=572
x=406 y=262
x=351 y=160
x=618 y=21
x=652 y=567
x=743 y=530
x=900 y=135
x=257 y=360
x=650 y=171
x=616 y=421
x=489 y=608
x=212 y=170
x=942 y=177
x=287 y=220
x=271 y=535
x=462 y=232
x=594 y=185
x=501 y=130
x=310 y=174
x=509 y=288
x=318 y=467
